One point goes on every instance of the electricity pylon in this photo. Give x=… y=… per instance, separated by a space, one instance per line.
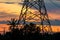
x=43 y=16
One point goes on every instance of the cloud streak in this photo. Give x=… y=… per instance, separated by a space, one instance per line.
x=8 y=11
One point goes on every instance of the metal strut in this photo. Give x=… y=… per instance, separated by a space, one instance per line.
x=44 y=19
x=25 y=9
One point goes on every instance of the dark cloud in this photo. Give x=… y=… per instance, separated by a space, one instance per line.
x=53 y=22
x=5 y=15
x=9 y=2
x=3 y=22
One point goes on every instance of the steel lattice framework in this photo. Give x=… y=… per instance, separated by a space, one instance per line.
x=43 y=16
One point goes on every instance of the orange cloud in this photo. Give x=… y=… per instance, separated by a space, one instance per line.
x=54 y=16
x=10 y=8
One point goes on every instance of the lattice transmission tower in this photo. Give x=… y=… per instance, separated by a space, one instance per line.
x=42 y=15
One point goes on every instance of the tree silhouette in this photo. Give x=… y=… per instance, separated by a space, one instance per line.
x=13 y=23
x=33 y=26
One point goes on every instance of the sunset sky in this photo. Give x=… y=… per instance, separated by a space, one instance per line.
x=8 y=11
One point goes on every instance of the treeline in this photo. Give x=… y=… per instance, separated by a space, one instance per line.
x=28 y=33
